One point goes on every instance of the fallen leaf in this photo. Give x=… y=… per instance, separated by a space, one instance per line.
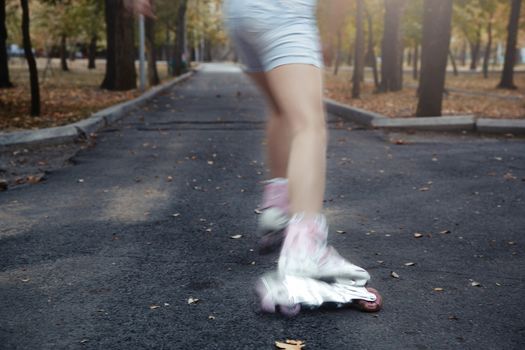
x=394 y=274
x=410 y=264
x=175 y=215
x=453 y=317
x=475 y=284
x=257 y=211
x=445 y=232
x=340 y=231
x=290 y=344
x=80 y=180
x=193 y=300
x=418 y=235
x=423 y=189
x=235 y=236
x=169 y=178
x=34 y=179
x=25 y=279
x=438 y=289
x=211 y=317
x=153 y=307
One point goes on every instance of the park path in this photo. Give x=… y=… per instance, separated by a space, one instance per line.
x=106 y=254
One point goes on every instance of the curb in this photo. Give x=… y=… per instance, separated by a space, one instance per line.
x=82 y=129
x=444 y=123
x=501 y=126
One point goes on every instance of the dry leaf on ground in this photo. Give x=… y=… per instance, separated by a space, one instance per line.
x=290 y=344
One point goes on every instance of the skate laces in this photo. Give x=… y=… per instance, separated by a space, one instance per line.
x=276 y=194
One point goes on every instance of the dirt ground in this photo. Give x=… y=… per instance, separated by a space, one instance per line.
x=486 y=101
x=66 y=97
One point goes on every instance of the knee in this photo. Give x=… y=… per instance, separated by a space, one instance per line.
x=312 y=122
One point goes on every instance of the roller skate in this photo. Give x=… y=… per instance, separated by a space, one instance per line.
x=311 y=273
x=274 y=215
x=289 y=294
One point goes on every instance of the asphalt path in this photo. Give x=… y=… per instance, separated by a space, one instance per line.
x=113 y=252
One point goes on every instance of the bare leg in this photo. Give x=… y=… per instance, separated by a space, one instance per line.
x=277 y=131
x=297 y=93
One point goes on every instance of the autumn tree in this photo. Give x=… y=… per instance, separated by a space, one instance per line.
x=153 y=75
x=120 y=66
x=359 y=50
x=391 y=48
x=180 y=39
x=507 y=76
x=412 y=33
x=435 y=45
x=5 y=81
x=28 y=50
x=370 y=56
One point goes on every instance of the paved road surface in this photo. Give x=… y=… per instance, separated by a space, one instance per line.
x=106 y=254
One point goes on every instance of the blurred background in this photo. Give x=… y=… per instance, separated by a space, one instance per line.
x=61 y=60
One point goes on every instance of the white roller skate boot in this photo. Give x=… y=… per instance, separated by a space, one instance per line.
x=274 y=215
x=311 y=273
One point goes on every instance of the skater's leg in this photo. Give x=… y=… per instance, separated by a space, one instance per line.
x=277 y=131
x=297 y=92
x=275 y=204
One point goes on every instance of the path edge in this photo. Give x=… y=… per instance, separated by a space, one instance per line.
x=84 y=128
x=442 y=123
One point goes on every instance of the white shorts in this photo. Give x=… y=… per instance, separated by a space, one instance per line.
x=270 y=33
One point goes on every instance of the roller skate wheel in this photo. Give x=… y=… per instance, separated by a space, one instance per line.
x=267 y=304
x=371 y=306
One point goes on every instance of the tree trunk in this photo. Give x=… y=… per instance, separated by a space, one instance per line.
x=415 y=66
x=371 y=54
x=5 y=81
x=507 y=76
x=63 y=53
x=392 y=52
x=409 y=58
x=179 y=65
x=435 y=46
x=33 y=72
x=464 y=53
x=453 y=62
x=474 y=49
x=488 y=49
x=120 y=68
x=337 y=53
x=359 y=51
x=92 y=52
x=153 y=75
